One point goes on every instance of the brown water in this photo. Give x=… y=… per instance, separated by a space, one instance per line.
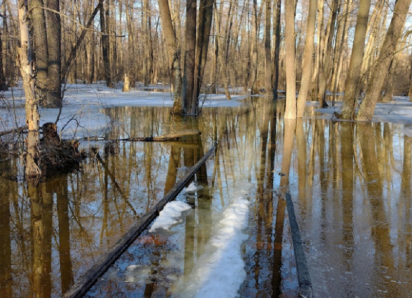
x=351 y=185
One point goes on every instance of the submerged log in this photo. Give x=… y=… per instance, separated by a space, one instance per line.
x=168 y=137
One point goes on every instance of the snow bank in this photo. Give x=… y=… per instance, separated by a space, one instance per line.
x=170 y=215
x=220 y=270
x=193 y=187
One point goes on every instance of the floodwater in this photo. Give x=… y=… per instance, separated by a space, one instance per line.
x=350 y=184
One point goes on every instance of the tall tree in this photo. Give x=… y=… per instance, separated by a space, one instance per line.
x=290 y=112
x=190 y=54
x=54 y=99
x=307 y=58
x=40 y=49
x=32 y=112
x=174 y=55
x=386 y=55
x=276 y=46
x=268 y=49
x=202 y=47
x=355 y=65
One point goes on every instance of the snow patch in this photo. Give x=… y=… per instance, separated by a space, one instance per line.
x=170 y=215
x=193 y=187
x=220 y=270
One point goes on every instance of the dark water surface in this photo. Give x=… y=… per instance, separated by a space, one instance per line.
x=351 y=186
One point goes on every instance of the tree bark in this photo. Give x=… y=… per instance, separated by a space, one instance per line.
x=290 y=112
x=32 y=170
x=276 y=46
x=54 y=98
x=268 y=50
x=387 y=52
x=174 y=55
x=40 y=48
x=307 y=58
x=355 y=65
x=190 y=54
x=202 y=47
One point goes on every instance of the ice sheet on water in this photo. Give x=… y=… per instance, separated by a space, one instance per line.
x=170 y=215
x=220 y=270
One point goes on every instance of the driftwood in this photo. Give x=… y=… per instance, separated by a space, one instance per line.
x=85 y=282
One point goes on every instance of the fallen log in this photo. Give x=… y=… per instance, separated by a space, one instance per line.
x=168 y=137
x=305 y=284
x=87 y=280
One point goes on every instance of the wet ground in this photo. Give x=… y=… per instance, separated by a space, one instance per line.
x=350 y=183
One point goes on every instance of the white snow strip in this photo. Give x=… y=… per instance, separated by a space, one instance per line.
x=170 y=215
x=220 y=270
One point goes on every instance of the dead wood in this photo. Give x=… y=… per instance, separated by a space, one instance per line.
x=15 y=130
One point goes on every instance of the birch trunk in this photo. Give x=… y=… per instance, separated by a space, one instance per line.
x=32 y=170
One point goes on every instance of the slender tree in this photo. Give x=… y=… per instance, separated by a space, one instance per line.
x=32 y=112
x=386 y=55
x=307 y=58
x=290 y=112
x=355 y=65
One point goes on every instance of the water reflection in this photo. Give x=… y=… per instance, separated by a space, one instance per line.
x=350 y=183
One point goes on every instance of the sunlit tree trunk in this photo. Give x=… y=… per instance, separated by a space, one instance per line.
x=387 y=52
x=353 y=76
x=290 y=112
x=307 y=58
x=31 y=106
x=174 y=55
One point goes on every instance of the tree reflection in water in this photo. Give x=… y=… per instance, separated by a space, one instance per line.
x=350 y=183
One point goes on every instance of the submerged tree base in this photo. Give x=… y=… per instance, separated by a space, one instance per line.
x=58 y=155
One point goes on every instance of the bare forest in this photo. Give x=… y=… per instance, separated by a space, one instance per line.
x=269 y=69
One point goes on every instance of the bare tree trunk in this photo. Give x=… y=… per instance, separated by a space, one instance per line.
x=290 y=112
x=39 y=46
x=355 y=65
x=32 y=112
x=307 y=58
x=254 y=50
x=387 y=52
x=202 y=47
x=268 y=51
x=174 y=55
x=190 y=54
x=104 y=16
x=276 y=46
x=326 y=59
x=54 y=98
x=341 y=39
